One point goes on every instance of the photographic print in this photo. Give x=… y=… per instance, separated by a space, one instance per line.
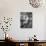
x=26 y=20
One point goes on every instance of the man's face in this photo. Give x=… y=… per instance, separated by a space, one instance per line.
x=25 y=19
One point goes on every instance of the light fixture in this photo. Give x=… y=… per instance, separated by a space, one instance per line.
x=35 y=3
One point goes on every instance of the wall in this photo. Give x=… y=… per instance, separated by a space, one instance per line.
x=12 y=8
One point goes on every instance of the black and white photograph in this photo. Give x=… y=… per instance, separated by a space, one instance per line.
x=26 y=19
